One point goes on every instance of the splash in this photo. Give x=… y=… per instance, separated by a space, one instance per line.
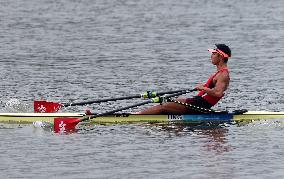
x=16 y=106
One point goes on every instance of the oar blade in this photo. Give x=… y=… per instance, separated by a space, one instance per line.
x=46 y=107
x=63 y=125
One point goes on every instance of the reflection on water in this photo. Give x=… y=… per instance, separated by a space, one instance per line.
x=216 y=140
x=213 y=136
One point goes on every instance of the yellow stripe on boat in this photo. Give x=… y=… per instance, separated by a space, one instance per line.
x=32 y=117
x=258 y=115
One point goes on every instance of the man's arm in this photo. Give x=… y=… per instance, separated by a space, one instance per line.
x=221 y=86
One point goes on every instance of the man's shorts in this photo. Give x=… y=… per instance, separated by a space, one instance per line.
x=198 y=101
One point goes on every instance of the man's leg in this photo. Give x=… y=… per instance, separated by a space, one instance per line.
x=167 y=108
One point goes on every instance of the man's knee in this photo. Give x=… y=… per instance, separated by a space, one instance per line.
x=181 y=99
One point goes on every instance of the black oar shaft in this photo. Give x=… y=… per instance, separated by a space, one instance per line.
x=121 y=109
x=101 y=100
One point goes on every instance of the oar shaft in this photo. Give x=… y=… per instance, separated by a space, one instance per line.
x=101 y=100
x=177 y=91
x=121 y=109
x=170 y=92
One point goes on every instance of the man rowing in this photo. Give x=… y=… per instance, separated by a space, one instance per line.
x=209 y=93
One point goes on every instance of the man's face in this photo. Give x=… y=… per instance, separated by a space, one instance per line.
x=215 y=58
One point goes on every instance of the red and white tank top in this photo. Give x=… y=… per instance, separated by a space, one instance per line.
x=210 y=84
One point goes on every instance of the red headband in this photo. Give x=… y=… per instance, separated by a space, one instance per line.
x=219 y=52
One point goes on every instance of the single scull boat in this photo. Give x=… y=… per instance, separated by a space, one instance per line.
x=132 y=118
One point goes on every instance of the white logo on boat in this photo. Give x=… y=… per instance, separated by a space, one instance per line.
x=62 y=126
x=41 y=109
x=175 y=117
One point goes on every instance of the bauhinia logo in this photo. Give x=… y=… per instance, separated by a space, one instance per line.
x=62 y=126
x=175 y=117
x=41 y=109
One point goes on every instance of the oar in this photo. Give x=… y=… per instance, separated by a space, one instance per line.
x=68 y=124
x=51 y=107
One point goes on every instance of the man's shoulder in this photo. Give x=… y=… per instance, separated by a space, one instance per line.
x=224 y=75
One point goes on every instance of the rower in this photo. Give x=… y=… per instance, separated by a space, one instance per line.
x=209 y=93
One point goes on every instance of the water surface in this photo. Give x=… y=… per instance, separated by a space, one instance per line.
x=80 y=50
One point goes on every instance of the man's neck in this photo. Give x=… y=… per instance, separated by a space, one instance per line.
x=221 y=66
